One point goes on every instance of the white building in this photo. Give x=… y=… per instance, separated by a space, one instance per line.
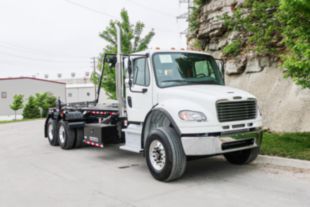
x=26 y=86
x=80 y=92
x=68 y=90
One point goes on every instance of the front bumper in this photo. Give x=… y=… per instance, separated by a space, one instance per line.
x=220 y=144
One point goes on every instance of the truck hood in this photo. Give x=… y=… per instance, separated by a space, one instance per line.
x=203 y=92
x=201 y=98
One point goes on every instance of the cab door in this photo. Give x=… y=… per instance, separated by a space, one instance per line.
x=139 y=94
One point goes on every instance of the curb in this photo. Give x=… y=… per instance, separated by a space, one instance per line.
x=283 y=161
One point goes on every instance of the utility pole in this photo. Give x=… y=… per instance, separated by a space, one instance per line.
x=185 y=15
x=94 y=72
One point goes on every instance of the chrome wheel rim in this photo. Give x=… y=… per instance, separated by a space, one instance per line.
x=62 y=134
x=50 y=131
x=157 y=155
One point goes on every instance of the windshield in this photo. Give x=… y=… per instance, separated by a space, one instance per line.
x=174 y=69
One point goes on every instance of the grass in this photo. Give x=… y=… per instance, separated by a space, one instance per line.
x=19 y=120
x=292 y=145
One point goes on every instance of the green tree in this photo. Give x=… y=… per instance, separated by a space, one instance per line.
x=17 y=104
x=45 y=101
x=295 y=16
x=31 y=109
x=132 y=41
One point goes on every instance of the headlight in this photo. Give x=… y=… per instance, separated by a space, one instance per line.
x=187 y=115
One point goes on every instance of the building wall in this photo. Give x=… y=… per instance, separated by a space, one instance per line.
x=84 y=92
x=26 y=87
x=80 y=94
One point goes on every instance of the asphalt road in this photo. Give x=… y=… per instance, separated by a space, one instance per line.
x=32 y=173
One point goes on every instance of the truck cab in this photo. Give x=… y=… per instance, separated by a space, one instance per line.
x=181 y=94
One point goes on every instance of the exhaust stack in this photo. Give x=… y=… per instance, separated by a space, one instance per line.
x=119 y=77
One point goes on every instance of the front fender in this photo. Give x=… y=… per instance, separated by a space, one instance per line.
x=168 y=112
x=160 y=115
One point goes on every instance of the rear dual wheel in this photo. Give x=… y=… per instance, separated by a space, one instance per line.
x=52 y=134
x=66 y=136
x=59 y=133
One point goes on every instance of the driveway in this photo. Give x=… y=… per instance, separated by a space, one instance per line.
x=32 y=173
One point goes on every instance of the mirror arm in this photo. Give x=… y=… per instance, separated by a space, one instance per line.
x=100 y=79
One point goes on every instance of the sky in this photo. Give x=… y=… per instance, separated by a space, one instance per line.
x=39 y=37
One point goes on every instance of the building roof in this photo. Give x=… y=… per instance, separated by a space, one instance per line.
x=80 y=85
x=31 y=78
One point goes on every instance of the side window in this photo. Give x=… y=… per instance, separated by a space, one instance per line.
x=204 y=68
x=141 y=75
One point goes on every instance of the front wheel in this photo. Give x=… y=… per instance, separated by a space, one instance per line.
x=164 y=154
x=243 y=156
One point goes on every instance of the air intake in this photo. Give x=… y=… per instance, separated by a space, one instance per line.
x=236 y=110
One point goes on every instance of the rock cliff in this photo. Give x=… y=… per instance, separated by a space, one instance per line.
x=285 y=106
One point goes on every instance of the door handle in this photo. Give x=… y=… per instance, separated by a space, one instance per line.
x=129 y=101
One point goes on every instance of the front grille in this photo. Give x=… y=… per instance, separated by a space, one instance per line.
x=236 y=110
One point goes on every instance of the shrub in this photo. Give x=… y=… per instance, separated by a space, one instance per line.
x=31 y=109
x=233 y=48
x=45 y=101
x=277 y=28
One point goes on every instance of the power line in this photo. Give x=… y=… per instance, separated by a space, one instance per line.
x=157 y=11
x=89 y=8
x=34 y=51
x=35 y=58
x=104 y=13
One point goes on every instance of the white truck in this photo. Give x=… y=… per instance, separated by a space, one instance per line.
x=171 y=105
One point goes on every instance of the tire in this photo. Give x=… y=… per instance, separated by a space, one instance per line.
x=242 y=157
x=66 y=136
x=52 y=134
x=165 y=157
x=79 y=138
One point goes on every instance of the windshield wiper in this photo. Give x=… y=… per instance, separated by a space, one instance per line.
x=205 y=81
x=178 y=80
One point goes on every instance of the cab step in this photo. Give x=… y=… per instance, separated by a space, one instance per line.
x=132 y=138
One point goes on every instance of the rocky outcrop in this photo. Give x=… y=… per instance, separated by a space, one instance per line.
x=285 y=106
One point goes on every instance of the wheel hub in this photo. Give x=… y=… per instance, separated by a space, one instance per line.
x=50 y=131
x=62 y=134
x=157 y=155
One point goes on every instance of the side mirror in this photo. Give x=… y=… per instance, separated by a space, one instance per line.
x=129 y=67
x=221 y=65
